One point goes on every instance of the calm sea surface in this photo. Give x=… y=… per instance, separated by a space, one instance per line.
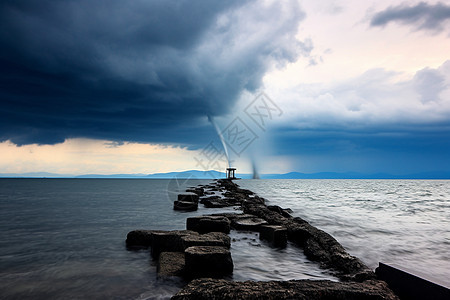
x=65 y=238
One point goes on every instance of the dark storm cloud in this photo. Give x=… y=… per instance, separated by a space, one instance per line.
x=144 y=71
x=422 y=15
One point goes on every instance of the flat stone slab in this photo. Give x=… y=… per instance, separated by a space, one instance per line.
x=171 y=264
x=205 y=224
x=207 y=239
x=208 y=261
x=220 y=202
x=233 y=216
x=203 y=289
x=413 y=285
x=250 y=223
x=215 y=203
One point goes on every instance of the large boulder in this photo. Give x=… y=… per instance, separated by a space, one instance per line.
x=171 y=264
x=207 y=239
x=208 y=261
x=188 y=197
x=140 y=238
x=274 y=234
x=205 y=224
x=202 y=289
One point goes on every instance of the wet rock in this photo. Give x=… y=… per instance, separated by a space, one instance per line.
x=208 y=261
x=322 y=247
x=171 y=264
x=205 y=224
x=185 y=206
x=251 y=223
x=188 y=197
x=202 y=200
x=220 y=202
x=169 y=241
x=261 y=211
x=140 y=238
x=314 y=251
x=233 y=201
x=200 y=289
x=316 y=244
x=186 y=202
x=207 y=239
x=284 y=212
x=233 y=216
x=197 y=190
x=275 y=234
x=215 y=203
x=352 y=268
x=298 y=233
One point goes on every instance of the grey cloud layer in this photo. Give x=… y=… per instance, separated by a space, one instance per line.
x=423 y=16
x=145 y=71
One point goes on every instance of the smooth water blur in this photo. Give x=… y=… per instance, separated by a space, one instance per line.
x=65 y=239
x=256 y=260
x=406 y=222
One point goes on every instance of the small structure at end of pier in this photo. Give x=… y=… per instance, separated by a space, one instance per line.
x=231 y=173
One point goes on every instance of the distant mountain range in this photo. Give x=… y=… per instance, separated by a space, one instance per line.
x=214 y=174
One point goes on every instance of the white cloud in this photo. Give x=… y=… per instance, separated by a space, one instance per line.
x=345 y=45
x=374 y=99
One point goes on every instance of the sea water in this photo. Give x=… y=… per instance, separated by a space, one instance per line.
x=403 y=222
x=65 y=238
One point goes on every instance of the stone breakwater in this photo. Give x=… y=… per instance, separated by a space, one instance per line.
x=201 y=252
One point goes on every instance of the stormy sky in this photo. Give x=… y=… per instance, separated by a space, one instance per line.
x=127 y=86
x=145 y=71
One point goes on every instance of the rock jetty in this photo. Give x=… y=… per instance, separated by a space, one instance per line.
x=203 y=289
x=201 y=253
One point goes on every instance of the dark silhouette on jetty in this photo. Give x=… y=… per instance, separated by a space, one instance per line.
x=231 y=173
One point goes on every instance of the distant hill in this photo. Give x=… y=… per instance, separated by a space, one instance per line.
x=355 y=175
x=35 y=175
x=215 y=174
x=185 y=174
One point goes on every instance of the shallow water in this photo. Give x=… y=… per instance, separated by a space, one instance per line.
x=406 y=222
